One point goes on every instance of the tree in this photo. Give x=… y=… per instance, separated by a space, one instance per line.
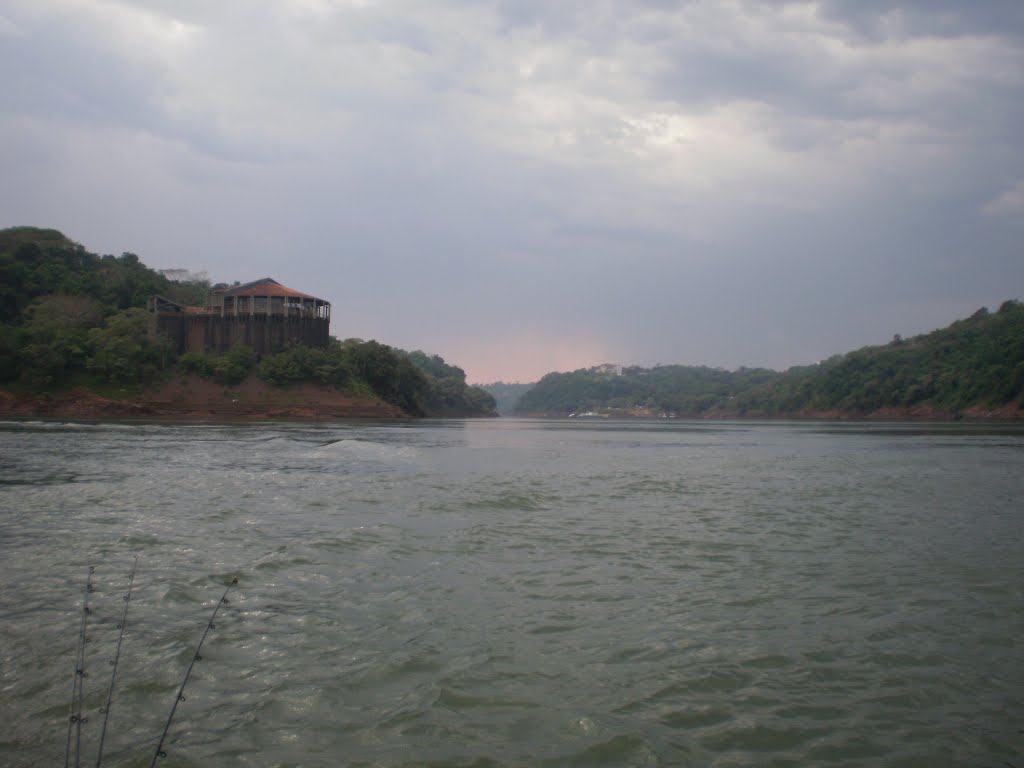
x=122 y=353
x=54 y=339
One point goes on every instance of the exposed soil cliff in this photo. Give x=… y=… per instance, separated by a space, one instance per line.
x=192 y=397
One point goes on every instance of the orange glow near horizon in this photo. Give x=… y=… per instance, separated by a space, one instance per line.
x=526 y=358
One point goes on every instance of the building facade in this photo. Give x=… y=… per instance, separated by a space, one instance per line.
x=263 y=315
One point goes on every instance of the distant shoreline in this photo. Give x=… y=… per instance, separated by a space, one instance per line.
x=84 y=406
x=974 y=414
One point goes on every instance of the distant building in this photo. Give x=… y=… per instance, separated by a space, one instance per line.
x=263 y=315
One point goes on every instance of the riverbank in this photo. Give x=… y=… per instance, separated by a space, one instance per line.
x=193 y=397
x=1009 y=412
x=922 y=413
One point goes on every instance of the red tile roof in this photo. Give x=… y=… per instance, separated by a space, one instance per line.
x=266 y=287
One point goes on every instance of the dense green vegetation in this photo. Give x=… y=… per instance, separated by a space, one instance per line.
x=418 y=383
x=70 y=317
x=665 y=389
x=506 y=395
x=977 y=362
x=447 y=393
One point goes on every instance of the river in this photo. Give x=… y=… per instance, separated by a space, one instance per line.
x=515 y=593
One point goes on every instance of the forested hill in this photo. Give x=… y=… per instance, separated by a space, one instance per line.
x=71 y=319
x=506 y=395
x=972 y=367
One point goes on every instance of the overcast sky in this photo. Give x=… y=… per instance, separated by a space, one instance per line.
x=542 y=185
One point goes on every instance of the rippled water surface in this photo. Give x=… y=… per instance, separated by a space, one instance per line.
x=517 y=593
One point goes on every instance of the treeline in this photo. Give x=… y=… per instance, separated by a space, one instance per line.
x=973 y=363
x=506 y=396
x=420 y=384
x=667 y=389
x=447 y=393
x=70 y=317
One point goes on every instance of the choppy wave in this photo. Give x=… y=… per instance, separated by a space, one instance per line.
x=368 y=450
x=461 y=594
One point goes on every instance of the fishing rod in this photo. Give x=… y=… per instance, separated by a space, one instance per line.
x=75 y=717
x=195 y=657
x=115 y=660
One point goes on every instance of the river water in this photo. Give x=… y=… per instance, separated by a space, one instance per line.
x=516 y=593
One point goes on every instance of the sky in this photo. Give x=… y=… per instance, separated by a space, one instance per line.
x=525 y=187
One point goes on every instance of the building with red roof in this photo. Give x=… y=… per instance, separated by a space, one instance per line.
x=263 y=315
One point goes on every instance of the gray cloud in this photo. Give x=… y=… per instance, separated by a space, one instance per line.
x=945 y=18
x=522 y=186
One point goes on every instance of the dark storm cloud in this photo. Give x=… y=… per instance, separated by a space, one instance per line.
x=837 y=77
x=945 y=18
